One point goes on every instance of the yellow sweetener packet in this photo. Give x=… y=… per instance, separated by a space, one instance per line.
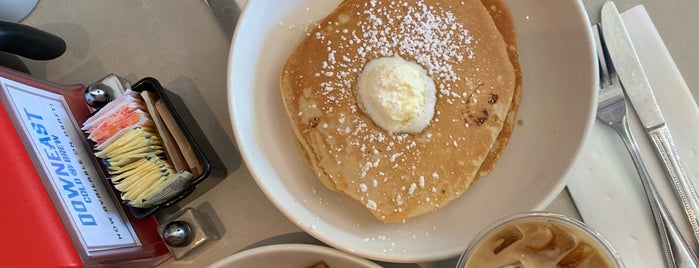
x=163 y=191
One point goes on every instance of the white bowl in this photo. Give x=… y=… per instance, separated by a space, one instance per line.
x=557 y=111
x=292 y=255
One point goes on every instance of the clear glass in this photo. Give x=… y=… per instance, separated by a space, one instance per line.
x=577 y=229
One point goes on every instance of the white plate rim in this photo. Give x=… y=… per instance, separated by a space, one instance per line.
x=293 y=247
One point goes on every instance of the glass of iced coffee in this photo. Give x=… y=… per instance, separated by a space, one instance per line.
x=539 y=239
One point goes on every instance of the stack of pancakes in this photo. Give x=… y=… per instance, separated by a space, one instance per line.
x=467 y=47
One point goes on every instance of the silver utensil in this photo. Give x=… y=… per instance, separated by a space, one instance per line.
x=612 y=111
x=638 y=90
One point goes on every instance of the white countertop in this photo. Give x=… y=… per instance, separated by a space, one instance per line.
x=180 y=43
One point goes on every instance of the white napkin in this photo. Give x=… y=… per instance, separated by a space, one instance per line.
x=605 y=185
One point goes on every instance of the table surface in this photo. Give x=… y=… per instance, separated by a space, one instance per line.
x=180 y=43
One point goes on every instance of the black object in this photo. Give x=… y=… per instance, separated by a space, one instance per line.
x=17 y=39
x=151 y=84
x=11 y=61
x=30 y=42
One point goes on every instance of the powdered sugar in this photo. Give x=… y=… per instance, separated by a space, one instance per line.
x=430 y=36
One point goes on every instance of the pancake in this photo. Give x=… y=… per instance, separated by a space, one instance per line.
x=503 y=21
x=397 y=176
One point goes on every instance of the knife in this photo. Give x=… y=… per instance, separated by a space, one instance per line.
x=639 y=92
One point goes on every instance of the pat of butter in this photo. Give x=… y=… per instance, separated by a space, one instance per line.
x=397 y=95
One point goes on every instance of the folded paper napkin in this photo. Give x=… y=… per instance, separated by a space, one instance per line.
x=605 y=185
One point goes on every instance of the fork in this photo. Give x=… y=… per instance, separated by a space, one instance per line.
x=611 y=109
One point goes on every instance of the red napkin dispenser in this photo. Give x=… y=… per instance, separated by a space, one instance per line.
x=57 y=209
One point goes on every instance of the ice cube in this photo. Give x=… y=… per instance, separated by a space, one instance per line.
x=579 y=255
x=554 y=248
x=506 y=238
x=562 y=240
x=538 y=239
